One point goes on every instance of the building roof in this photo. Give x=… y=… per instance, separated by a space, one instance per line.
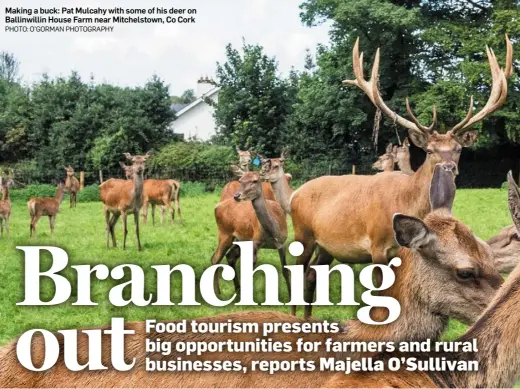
x=178 y=106
x=197 y=102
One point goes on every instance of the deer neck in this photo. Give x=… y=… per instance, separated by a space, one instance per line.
x=267 y=222
x=416 y=321
x=405 y=166
x=417 y=197
x=282 y=193
x=138 y=186
x=6 y=195
x=498 y=340
x=59 y=195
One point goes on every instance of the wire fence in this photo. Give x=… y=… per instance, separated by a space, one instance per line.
x=473 y=174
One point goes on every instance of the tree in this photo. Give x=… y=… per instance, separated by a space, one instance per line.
x=254 y=101
x=9 y=67
x=187 y=97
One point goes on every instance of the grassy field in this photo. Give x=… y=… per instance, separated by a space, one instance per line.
x=81 y=233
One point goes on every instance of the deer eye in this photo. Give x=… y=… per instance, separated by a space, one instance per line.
x=429 y=151
x=465 y=274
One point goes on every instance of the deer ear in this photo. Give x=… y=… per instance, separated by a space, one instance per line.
x=514 y=200
x=467 y=139
x=148 y=154
x=406 y=142
x=237 y=148
x=128 y=156
x=420 y=140
x=389 y=148
x=237 y=171
x=442 y=189
x=410 y=231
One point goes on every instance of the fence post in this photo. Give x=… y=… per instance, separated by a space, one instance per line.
x=100 y=176
x=354 y=169
x=81 y=180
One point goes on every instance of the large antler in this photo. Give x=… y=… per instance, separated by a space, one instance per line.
x=498 y=94
x=370 y=89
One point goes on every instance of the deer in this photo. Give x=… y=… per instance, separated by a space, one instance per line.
x=432 y=285
x=506 y=245
x=121 y=197
x=71 y=185
x=386 y=161
x=244 y=161
x=5 y=207
x=45 y=206
x=158 y=192
x=249 y=216
x=402 y=157
x=349 y=218
x=495 y=333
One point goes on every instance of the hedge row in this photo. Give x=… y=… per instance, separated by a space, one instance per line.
x=91 y=192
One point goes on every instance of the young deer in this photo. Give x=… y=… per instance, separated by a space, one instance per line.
x=71 y=185
x=506 y=245
x=261 y=221
x=432 y=284
x=5 y=208
x=155 y=195
x=121 y=197
x=350 y=217
x=386 y=161
x=45 y=206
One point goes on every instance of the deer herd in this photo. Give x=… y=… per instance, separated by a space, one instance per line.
x=446 y=272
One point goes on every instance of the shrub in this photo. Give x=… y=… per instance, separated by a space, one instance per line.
x=89 y=193
x=31 y=191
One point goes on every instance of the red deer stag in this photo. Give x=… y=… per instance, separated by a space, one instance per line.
x=45 y=206
x=350 y=217
x=121 y=197
x=506 y=245
x=260 y=220
x=5 y=207
x=155 y=194
x=71 y=185
x=432 y=284
x=386 y=161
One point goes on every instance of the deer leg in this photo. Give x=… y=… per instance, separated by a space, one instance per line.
x=232 y=257
x=322 y=258
x=113 y=222
x=52 y=220
x=1 y=227
x=153 y=215
x=136 y=218
x=178 y=207
x=285 y=272
x=163 y=213
x=304 y=259
x=379 y=257
x=7 y=225
x=107 y=226
x=125 y=229
x=168 y=204
x=34 y=221
x=224 y=243
x=145 y=211
x=75 y=199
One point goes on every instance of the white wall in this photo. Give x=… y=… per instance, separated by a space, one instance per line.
x=197 y=121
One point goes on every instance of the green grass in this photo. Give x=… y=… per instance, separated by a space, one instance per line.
x=81 y=233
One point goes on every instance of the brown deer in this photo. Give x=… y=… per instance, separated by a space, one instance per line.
x=402 y=157
x=71 y=185
x=432 y=284
x=273 y=172
x=5 y=207
x=386 y=161
x=158 y=192
x=121 y=197
x=350 y=217
x=506 y=245
x=45 y=206
x=259 y=220
x=244 y=160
